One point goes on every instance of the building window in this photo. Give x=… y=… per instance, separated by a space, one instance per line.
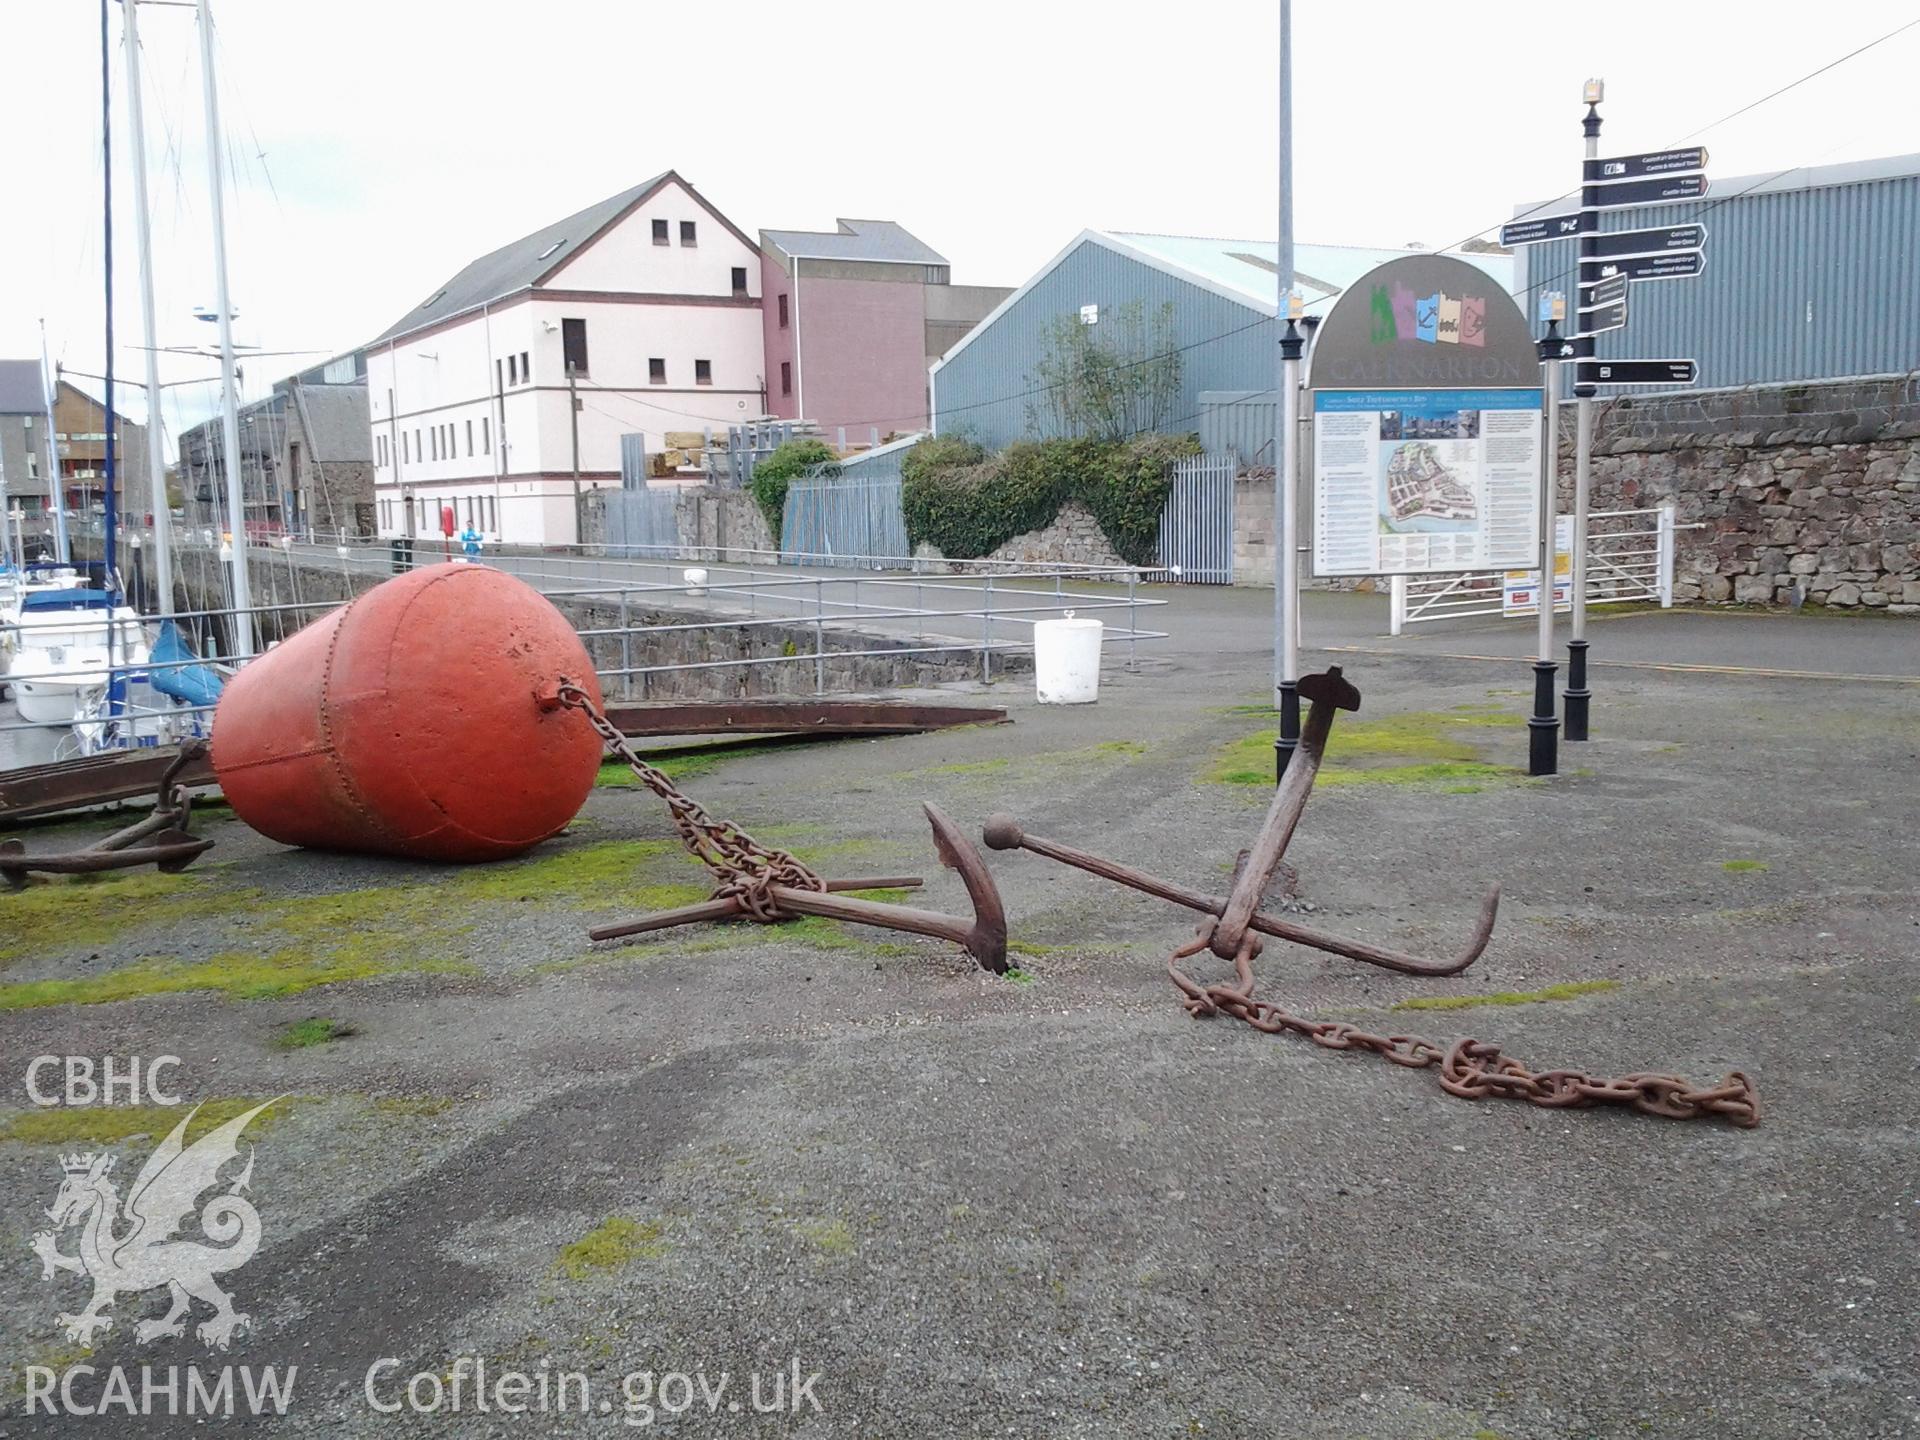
x=703 y=372
x=469 y=439
x=656 y=371
x=573 y=345
x=660 y=233
x=739 y=280
x=513 y=369
x=498 y=383
x=526 y=370
x=786 y=373
x=433 y=442
x=783 y=311
x=486 y=436
x=419 y=450
x=406 y=448
x=687 y=233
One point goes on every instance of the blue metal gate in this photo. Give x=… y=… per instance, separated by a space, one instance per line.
x=846 y=517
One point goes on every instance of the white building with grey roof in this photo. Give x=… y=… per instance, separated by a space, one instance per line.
x=644 y=307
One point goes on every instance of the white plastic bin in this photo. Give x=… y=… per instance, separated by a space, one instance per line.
x=1066 y=661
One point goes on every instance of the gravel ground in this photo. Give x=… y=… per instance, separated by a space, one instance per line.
x=1057 y=1206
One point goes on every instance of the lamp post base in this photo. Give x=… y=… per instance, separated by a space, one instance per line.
x=1577 y=693
x=1289 y=738
x=1543 y=730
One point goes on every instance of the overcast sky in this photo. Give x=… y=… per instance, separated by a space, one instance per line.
x=377 y=147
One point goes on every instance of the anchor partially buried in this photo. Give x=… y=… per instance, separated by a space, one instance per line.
x=766 y=884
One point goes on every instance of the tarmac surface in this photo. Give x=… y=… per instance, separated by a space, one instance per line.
x=1055 y=1205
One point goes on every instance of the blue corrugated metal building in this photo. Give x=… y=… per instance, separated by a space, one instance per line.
x=1811 y=274
x=1222 y=292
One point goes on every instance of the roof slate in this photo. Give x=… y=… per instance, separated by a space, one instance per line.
x=882 y=240
x=517 y=265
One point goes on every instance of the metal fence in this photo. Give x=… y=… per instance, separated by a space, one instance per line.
x=832 y=514
x=1629 y=558
x=1196 y=527
x=640 y=521
x=756 y=629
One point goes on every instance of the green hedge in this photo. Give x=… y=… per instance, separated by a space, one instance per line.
x=773 y=474
x=968 y=504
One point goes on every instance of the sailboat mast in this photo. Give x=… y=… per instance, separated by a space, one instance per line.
x=106 y=181
x=56 y=485
x=230 y=406
x=156 y=462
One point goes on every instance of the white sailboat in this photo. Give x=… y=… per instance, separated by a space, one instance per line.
x=71 y=644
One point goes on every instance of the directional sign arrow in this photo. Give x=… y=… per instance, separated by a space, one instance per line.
x=1636 y=372
x=1660 y=190
x=1613 y=243
x=1653 y=162
x=1599 y=321
x=1547 y=227
x=1680 y=265
x=1608 y=290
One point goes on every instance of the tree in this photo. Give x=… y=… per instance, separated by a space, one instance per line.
x=1110 y=380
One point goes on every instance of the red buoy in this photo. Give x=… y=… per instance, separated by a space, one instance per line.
x=408 y=722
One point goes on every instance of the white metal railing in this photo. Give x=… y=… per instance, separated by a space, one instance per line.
x=1630 y=557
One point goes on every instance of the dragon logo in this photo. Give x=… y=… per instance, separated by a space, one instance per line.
x=146 y=1254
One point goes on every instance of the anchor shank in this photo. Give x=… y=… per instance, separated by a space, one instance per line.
x=1328 y=692
x=1003 y=833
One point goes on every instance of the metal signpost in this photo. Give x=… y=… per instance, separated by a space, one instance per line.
x=1610 y=263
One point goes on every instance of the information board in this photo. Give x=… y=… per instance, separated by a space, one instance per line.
x=1412 y=482
x=1520 y=590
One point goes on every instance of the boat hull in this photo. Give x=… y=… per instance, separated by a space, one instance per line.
x=47 y=702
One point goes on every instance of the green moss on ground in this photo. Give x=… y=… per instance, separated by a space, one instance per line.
x=829 y=1237
x=67 y=912
x=1573 y=990
x=1741 y=867
x=108 y=1124
x=314 y=1030
x=613 y=1244
x=1417 y=747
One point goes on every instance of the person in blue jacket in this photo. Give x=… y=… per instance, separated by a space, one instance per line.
x=470 y=541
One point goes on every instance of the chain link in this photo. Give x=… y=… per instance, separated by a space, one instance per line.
x=1470 y=1069
x=747 y=869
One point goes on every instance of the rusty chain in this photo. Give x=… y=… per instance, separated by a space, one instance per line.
x=746 y=867
x=1470 y=1069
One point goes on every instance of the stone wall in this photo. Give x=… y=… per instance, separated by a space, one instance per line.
x=1254 y=536
x=1827 y=514
x=1073 y=537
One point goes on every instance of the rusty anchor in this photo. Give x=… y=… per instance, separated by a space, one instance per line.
x=1238 y=912
x=765 y=884
x=1469 y=1069
x=167 y=835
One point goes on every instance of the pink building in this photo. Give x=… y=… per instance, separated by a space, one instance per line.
x=853 y=318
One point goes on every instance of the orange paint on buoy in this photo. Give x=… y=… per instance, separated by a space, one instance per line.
x=408 y=723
